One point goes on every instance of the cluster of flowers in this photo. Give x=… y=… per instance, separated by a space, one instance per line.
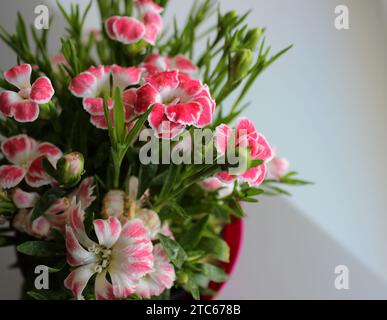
x=124 y=249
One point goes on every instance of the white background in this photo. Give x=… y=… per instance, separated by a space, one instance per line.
x=324 y=106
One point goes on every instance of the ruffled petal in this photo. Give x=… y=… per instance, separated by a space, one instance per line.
x=109 y=26
x=151 y=221
x=77 y=280
x=23 y=199
x=36 y=176
x=124 y=77
x=129 y=97
x=254 y=176
x=132 y=253
x=76 y=254
x=107 y=231
x=84 y=85
x=225 y=177
x=151 y=32
x=103 y=288
x=11 y=176
x=166 y=80
x=161 y=124
x=223 y=135
x=19 y=149
x=149 y=5
x=205 y=117
x=7 y=100
x=19 y=76
x=184 y=113
x=42 y=90
x=94 y=106
x=147 y=95
x=40 y=227
x=51 y=152
x=25 y=111
x=128 y=30
x=161 y=278
x=84 y=193
x=183 y=64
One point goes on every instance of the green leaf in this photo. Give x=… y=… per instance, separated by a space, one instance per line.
x=193 y=288
x=47 y=295
x=214 y=273
x=132 y=136
x=41 y=249
x=216 y=248
x=119 y=116
x=174 y=250
x=192 y=237
x=44 y=203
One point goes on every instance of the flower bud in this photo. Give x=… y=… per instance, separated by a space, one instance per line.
x=228 y=19
x=240 y=64
x=182 y=277
x=70 y=169
x=252 y=37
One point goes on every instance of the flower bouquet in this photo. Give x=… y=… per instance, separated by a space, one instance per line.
x=120 y=169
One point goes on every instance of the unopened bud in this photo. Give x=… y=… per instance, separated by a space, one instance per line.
x=252 y=38
x=228 y=19
x=240 y=64
x=70 y=169
x=182 y=277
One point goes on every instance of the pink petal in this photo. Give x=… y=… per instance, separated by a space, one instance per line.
x=94 y=106
x=184 y=64
x=277 y=167
x=7 y=99
x=255 y=176
x=161 y=278
x=76 y=217
x=23 y=199
x=123 y=285
x=128 y=30
x=149 y=5
x=161 y=124
x=129 y=98
x=11 y=176
x=19 y=149
x=151 y=33
x=36 y=176
x=263 y=151
x=99 y=122
x=133 y=251
x=166 y=80
x=84 y=85
x=19 y=76
x=77 y=280
x=103 y=288
x=51 y=152
x=190 y=87
x=147 y=95
x=40 y=227
x=124 y=77
x=205 y=117
x=76 y=254
x=107 y=231
x=225 y=177
x=184 y=113
x=25 y=111
x=42 y=90
x=84 y=192
x=109 y=26
x=223 y=135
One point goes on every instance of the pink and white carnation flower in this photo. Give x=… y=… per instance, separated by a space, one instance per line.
x=245 y=136
x=155 y=63
x=55 y=217
x=26 y=155
x=23 y=105
x=94 y=84
x=147 y=26
x=123 y=252
x=213 y=184
x=178 y=101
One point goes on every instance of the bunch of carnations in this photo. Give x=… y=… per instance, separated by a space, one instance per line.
x=104 y=182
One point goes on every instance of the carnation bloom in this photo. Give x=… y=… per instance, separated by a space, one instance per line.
x=246 y=136
x=55 y=217
x=155 y=63
x=161 y=277
x=213 y=184
x=276 y=166
x=123 y=252
x=130 y=30
x=26 y=156
x=94 y=84
x=23 y=105
x=177 y=101
x=125 y=206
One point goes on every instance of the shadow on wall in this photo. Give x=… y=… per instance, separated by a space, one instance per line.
x=286 y=256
